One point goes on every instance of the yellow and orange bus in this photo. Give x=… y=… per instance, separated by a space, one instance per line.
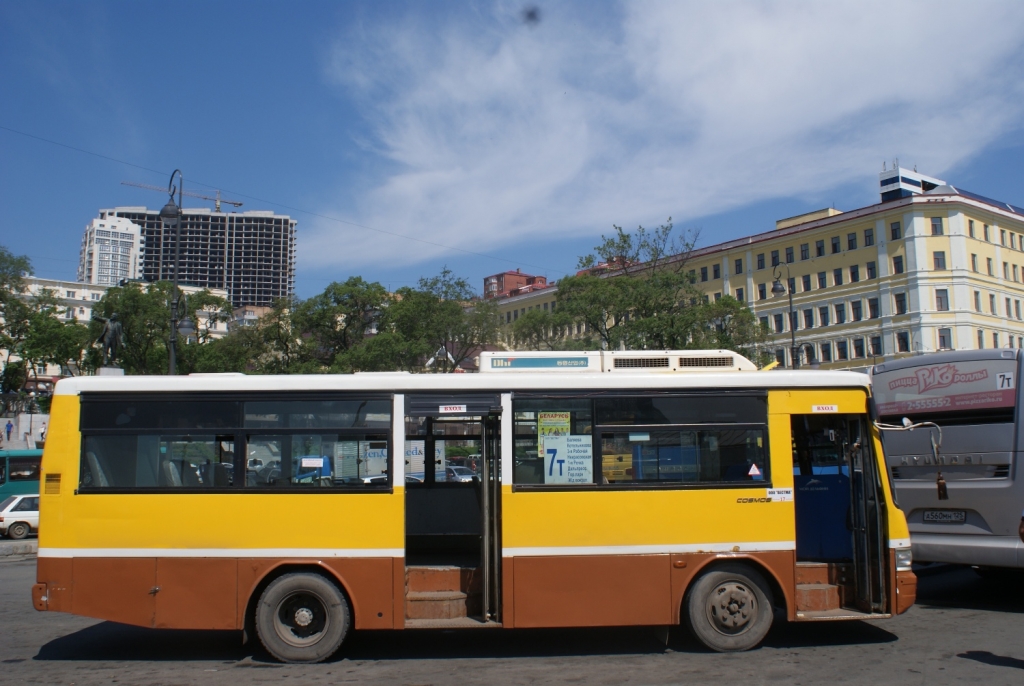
x=588 y=489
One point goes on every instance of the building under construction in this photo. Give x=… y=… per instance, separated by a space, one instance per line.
x=251 y=255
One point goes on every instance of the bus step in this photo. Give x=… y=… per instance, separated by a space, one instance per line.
x=458 y=623
x=442 y=593
x=817 y=597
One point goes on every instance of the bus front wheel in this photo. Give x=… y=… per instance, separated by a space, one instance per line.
x=729 y=608
x=302 y=618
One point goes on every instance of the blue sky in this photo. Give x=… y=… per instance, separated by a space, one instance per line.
x=472 y=139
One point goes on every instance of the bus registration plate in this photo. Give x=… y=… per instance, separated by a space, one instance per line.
x=945 y=516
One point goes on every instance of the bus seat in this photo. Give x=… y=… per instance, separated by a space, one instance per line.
x=99 y=477
x=170 y=474
x=189 y=475
x=216 y=475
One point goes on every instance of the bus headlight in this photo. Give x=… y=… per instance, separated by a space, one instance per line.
x=904 y=559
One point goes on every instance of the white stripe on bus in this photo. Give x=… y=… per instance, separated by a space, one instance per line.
x=545 y=551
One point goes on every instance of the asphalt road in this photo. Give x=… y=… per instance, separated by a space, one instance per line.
x=963 y=628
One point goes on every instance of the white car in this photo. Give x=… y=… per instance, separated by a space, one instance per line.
x=19 y=516
x=459 y=474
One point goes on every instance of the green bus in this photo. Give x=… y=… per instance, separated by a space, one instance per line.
x=19 y=472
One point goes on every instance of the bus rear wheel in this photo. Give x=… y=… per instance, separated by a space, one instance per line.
x=18 y=530
x=729 y=609
x=302 y=618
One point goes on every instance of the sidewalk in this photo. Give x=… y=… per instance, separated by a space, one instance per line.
x=29 y=546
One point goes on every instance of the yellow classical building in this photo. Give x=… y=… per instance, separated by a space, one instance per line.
x=930 y=267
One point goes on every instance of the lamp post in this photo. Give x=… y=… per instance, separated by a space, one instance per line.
x=777 y=290
x=171 y=214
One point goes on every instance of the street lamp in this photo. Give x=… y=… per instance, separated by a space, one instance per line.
x=171 y=214
x=778 y=290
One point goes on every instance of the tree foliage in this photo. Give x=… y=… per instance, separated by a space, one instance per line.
x=635 y=292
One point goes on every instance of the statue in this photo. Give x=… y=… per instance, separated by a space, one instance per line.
x=111 y=338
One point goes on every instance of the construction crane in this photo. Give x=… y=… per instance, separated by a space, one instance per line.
x=192 y=194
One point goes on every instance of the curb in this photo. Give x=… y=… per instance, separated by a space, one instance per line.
x=19 y=548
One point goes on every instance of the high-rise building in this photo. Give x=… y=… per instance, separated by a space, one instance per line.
x=251 y=255
x=112 y=249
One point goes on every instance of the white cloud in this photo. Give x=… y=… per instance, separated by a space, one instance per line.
x=496 y=133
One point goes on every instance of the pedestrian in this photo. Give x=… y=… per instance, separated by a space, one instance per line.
x=10 y=428
x=42 y=432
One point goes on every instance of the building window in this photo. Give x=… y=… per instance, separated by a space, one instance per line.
x=942 y=300
x=823 y=316
x=821 y=280
x=841 y=353
x=939 y=258
x=869 y=237
x=808 y=319
x=806 y=278
x=762 y=291
x=854 y=273
x=760 y=261
x=945 y=339
x=985 y=233
x=992 y=303
x=95 y=296
x=1016 y=308
x=718 y=296
x=974 y=263
x=851 y=241
x=70 y=294
x=764 y=322
x=856 y=310
x=792 y=284
x=858 y=347
x=837 y=277
x=1009 y=310
x=778 y=323
x=819 y=248
x=780 y=357
x=901 y=303
x=1015 y=272
x=793 y=322
x=826 y=352
x=894 y=231
x=981 y=339
x=876 y=345
x=995 y=339
x=903 y=342
x=1002 y=239
x=970 y=228
x=789 y=255
x=897 y=264
x=1006 y=270
x=936 y=226
x=872 y=271
x=739 y=295
x=873 y=308
x=775 y=258
x=1013 y=241
x=703 y=273
x=716 y=271
x=988 y=263
x=739 y=266
x=977 y=301
x=840 y=313
x=836 y=247
x=805 y=251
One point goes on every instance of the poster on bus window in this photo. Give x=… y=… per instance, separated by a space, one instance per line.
x=568 y=459
x=946 y=387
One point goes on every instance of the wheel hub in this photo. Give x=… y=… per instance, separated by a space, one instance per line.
x=304 y=617
x=732 y=607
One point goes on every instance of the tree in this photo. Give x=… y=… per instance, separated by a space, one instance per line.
x=337 y=320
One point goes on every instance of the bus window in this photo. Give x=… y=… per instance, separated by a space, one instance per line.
x=687 y=456
x=553 y=441
x=24 y=468
x=317 y=460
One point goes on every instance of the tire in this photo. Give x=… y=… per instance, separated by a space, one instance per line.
x=302 y=618
x=729 y=608
x=18 y=530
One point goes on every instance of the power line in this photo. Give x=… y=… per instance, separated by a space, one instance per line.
x=282 y=205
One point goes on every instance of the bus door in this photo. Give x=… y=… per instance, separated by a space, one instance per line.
x=839 y=519
x=452 y=505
